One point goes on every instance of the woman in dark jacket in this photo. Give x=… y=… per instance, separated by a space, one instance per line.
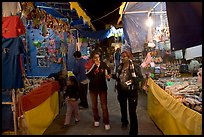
x=98 y=72
x=127 y=78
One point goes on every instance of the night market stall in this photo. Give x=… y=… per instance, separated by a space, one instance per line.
x=35 y=43
x=174 y=95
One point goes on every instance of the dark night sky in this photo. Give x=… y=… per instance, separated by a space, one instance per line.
x=96 y=9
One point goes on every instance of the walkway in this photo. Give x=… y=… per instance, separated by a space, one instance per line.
x=85 y=126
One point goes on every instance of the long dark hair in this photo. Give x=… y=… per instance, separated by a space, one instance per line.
x=95 y=52
x=73 y=80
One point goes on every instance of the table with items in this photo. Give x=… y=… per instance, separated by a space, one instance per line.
x=38 y=105
x=175 y=105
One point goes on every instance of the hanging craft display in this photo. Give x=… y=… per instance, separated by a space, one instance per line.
x=63 y=49
x=37 y=43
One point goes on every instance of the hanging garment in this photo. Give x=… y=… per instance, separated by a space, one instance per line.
x=10 y=8
x=12 y=27
x=11 y=70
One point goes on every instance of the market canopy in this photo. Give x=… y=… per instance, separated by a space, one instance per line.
x=100 y=35
x=183 y=18
x=134 y=16
x=69 y=12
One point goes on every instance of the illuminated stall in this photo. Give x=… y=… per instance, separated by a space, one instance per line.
x=175 y=111
x=35 y=43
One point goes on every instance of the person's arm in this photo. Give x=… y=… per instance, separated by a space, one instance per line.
x=108 y=73
x=90 y=72
x=76 y=68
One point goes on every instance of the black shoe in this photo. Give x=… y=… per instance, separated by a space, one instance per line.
x=65 y=126
x=124 y=125
x=86 y=106
x=133 y=133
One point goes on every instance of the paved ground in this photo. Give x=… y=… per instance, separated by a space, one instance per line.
x=85 y=126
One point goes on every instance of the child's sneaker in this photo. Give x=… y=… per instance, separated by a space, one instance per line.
x=96 y=124
x=107 y=127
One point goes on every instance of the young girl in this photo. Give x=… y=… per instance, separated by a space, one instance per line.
x=71 y=97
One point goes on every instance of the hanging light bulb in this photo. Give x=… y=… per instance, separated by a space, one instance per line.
x=149 y=22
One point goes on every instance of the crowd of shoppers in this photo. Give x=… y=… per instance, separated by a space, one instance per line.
x=92 y=75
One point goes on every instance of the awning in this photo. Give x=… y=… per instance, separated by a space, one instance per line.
x=134 y=16
x=67 y=11
x=80 y=12
x=100 y=35
x=184 y=19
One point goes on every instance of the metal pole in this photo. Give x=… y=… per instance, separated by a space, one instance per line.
x=13 y=107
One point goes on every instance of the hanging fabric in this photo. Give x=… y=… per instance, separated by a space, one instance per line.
x=12 y=27
x=11 y=71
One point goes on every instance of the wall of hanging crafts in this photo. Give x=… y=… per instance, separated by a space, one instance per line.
x=47 y=52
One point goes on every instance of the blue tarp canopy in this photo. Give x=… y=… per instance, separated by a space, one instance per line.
x=101 y=34
x=184 y=20
x=134 y=19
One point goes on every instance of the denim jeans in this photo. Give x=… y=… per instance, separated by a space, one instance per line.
x=103 y=102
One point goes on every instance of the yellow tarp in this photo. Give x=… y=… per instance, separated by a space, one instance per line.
x=80 y=12
x=171 y=116
x=39 y=118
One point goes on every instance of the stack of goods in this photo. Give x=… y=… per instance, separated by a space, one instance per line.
x=172 y=70
x=185 y=90
x=32 y=83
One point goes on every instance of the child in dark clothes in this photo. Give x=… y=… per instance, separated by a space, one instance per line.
x=71 y=96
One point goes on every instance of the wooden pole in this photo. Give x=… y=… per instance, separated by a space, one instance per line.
x=13 y=107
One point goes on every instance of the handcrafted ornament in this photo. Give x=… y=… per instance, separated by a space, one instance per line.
x=59 y=61
x=44 y=30
x=36 y=23
x=151 y=45
x=70 y=73
x=63 y=49
x=37 y=43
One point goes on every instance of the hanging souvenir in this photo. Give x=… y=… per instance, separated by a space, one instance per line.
x=60 y=60
x=37 y=43
x=51 y=47
x=44 y=30
x=55 y=23
x=63 y=49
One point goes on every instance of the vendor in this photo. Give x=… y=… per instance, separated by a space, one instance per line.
x=193 y=67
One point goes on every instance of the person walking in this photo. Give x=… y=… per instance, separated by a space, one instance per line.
x=127 y=78
x=98 y=72
x=80 y=73
x=71 y=96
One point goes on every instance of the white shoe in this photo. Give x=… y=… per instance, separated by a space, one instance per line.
x=96 y=124
x=107 y=127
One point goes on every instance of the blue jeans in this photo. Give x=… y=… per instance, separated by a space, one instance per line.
x=103 y=102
